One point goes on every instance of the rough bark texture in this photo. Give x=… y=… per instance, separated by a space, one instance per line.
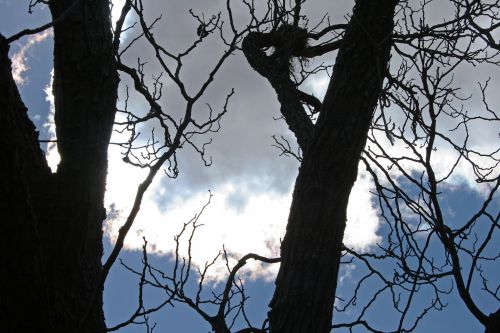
x=306 y=283
x=51 y=261
x=276 y=69
x=23 y=170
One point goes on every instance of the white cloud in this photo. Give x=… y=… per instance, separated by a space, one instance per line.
x=362 y=218
x=319 y=85
x=346 y=272
x=251 y=186
x=116 y=9
x=52 y=155
x=20 y=59
x=443 y=161
x=256 y=228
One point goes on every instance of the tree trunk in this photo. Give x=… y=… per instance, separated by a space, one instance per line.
x=55 y=221
x=493 y=325
x=23 y=170
x=305 y=286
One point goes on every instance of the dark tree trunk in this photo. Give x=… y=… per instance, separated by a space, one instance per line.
x=51 y=260
x=493 y=325
x=23 y=172
x=276 y=69
x=305 y=286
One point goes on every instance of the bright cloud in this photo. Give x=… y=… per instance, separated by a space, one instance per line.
x=362 y=218
x=20 y=59
x=319 y=85
x=52 y=155
x=258 y=228
x=446 y=162
x=116 y=9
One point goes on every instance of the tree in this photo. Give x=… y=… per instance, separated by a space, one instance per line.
x=58 y=217
x=66 y=271
x=311 y=249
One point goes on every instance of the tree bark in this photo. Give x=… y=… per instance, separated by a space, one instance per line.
x=276 y=69
x=23 y=170
x=55 y=220
x=311 y=249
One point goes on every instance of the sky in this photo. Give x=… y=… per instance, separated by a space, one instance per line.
x=250 y=184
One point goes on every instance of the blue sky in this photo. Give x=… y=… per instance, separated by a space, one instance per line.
x=250 y=183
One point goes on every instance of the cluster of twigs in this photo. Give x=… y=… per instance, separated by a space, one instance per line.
x=223 y=307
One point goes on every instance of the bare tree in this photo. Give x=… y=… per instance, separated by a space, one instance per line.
x=428 y=53
x=51 y=263
x=311 y=248
x=55 y=219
